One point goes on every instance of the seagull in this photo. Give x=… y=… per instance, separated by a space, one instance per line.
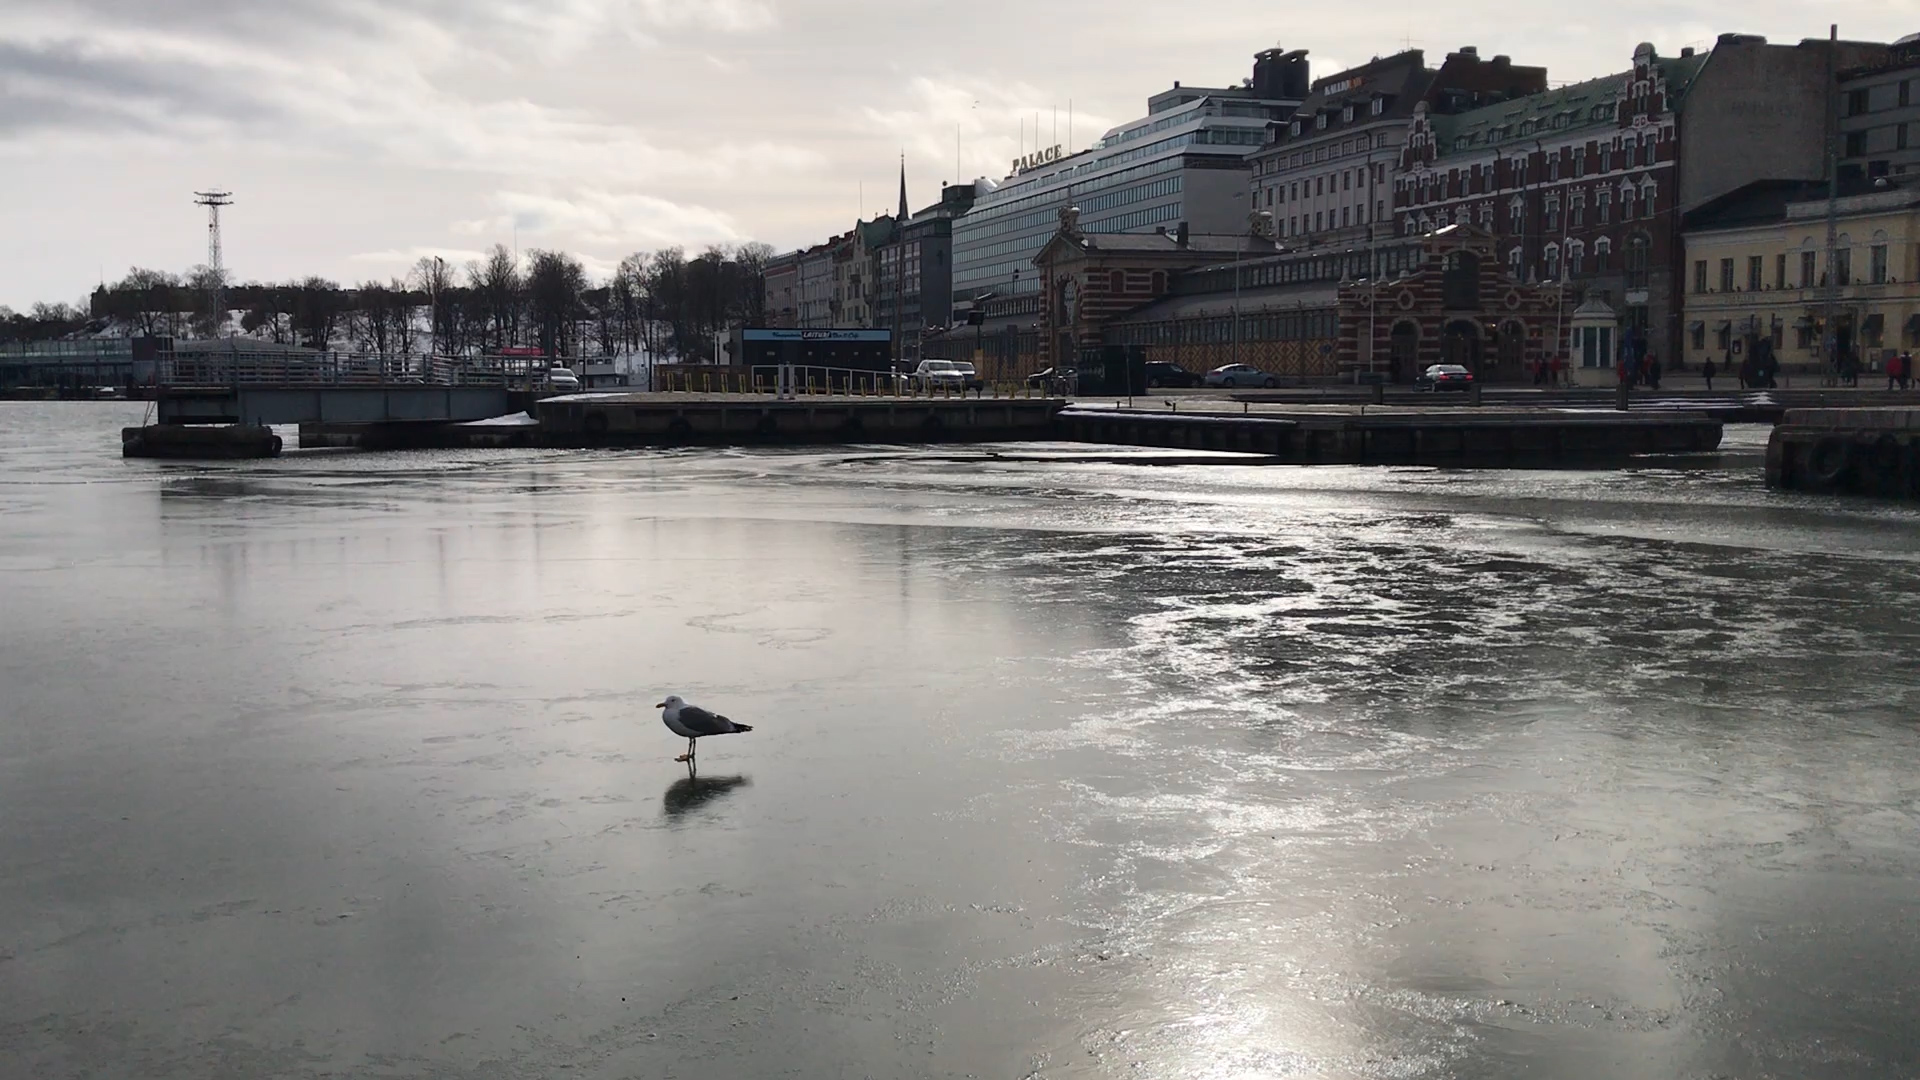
x=694 y=723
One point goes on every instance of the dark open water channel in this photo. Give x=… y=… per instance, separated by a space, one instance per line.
x=343 y=765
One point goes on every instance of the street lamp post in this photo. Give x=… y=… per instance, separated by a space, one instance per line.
x=1258 y=224
x=433 y=305
x=1373 y=329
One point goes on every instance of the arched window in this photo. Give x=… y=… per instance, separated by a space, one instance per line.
x=1576 y=252
x=1551 y=257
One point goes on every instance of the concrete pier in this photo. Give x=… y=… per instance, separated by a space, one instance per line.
x=1847 y=451
x=694 y=419
x=1333 y=435
x=198 y=442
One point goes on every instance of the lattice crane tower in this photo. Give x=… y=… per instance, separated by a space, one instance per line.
x=213 y=201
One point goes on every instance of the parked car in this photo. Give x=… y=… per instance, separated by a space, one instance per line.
x=940 y=375
x=970 y=376
x=1232 y=375
x=563 y=380
x=1166 y=373
x=1054 y=378
x=1445 y=377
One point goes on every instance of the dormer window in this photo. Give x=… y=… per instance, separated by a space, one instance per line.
x=1378 y=106
x=1320 y=122
x=1294 y=128
x=1346 y=115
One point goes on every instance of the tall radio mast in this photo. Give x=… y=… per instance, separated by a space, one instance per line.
x=213 y=201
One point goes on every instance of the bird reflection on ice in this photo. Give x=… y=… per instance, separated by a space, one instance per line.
x=691 y=792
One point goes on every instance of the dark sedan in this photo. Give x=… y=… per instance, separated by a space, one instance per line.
x=1166 y=373
x=1445 y=377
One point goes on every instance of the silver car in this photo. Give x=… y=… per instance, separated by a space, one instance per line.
x=1230 y=376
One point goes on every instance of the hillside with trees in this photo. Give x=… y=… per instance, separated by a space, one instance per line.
x=662 y=304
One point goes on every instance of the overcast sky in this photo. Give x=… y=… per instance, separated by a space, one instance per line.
x=357 y=135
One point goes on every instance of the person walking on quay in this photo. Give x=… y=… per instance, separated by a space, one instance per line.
x=1706 y=370
x=1906 y=370
x=1894 y=372
x=1653 y=372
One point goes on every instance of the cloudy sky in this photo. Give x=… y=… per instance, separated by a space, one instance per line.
x=357 y=135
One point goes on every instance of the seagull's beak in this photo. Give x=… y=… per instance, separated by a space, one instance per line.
x=662 y=705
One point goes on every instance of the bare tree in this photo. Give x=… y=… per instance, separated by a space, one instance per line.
x=626 y=296
x=206 y=289
x=751 y=287
x=556 y=284
x=400 y=315
x=502 y=291
x=317 y=306
x=432 y=275
x=667 y=301
x=148 y=300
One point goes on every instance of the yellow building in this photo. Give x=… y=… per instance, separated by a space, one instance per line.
x=1757 y=268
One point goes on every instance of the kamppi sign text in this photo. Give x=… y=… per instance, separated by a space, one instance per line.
x=1036 y=159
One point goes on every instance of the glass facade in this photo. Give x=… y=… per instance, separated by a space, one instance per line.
x=1139 y=177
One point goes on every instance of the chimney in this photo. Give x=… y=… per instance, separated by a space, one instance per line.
x=1686 y=52
x=1503 y=61
x=1469 y=50
x=1181 y=236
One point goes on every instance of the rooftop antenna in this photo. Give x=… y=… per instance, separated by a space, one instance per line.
x=213 y=201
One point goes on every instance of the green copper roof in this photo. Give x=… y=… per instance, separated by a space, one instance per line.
x=1580 y=105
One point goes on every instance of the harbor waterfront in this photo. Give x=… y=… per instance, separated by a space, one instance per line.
x=345 y=764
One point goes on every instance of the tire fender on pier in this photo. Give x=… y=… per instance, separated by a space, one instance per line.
x=1828 y=462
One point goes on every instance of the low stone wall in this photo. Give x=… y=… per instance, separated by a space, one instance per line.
x=1847 y=451
x=1486 y=439
x=675 y=420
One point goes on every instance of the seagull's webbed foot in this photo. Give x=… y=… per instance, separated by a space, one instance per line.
x=684 y=758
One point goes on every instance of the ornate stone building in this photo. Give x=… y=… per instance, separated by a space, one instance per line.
x=1088 y=280
x=1456 y=304
x=1587 y=183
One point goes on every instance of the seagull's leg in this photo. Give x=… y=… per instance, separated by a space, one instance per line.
x=688 y=756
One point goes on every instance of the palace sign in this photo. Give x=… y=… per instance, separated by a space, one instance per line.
x=1037 y=159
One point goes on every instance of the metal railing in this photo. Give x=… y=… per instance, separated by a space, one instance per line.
x=329 y=369
x=801 y=381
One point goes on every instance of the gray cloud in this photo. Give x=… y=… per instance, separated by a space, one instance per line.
x=377 y=126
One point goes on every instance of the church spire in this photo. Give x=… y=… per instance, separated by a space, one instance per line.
x=903 y=189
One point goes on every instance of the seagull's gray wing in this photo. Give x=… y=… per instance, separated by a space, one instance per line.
x=701 y=722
